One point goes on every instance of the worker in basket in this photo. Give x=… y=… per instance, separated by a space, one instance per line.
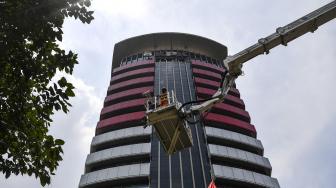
x=163 y=97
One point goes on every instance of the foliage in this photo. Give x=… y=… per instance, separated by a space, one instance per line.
x=30 y=56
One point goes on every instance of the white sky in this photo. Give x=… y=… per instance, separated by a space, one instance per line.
x=288 y=93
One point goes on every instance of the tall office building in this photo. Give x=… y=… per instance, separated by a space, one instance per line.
x=125 y=154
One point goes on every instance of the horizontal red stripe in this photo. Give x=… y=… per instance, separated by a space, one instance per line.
x=128 y=93
x=210 y=92
x=132 y=73
x=199 y=80
x=235 y=90
x=205 y=64
x=230 y=121
x=235 y=99
x=227 y=107
x=139 y=63
x=135 y=116
x=206 y=73
x=123 y=105
x=206 y=81
x=131 y=82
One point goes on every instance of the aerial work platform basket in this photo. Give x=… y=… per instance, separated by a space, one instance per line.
x=162 y=113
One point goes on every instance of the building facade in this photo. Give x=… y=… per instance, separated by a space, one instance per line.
x=125 y=154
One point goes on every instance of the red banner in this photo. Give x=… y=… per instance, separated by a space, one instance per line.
x=212 y=184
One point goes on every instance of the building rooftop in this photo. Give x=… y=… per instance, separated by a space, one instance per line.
x=166 y=41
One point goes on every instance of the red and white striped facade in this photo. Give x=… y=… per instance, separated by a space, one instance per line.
x=225 y=147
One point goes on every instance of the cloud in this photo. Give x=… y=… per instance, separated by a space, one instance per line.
x=77 y=129
x=124 y=9
x=288 y=93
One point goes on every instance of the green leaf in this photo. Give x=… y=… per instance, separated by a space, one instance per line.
x=69 y=92
x=59 y=37
x=7 y=174
x=59 y=142
x=70 y=86
x=57 y=106
x=28 y=65
x=87 y=3
x=51 y=90
x=43 y=180
x=62 y=82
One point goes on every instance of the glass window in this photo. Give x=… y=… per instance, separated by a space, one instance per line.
x=140 y=57
x=203 y=58
x=134 y=58
x=218 y=63
x=208 y=60
x=123 y=61
x=128 y=60
x=184 y=53
x=198 y=57
x=192 y=56
x=147 y=54
x=213 y=61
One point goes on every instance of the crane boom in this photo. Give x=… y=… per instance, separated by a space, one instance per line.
x=170 y=117
x=283 y=35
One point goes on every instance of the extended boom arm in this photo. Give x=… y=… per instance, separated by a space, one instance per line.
x=283 y=35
